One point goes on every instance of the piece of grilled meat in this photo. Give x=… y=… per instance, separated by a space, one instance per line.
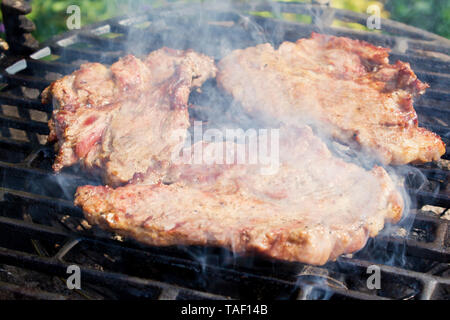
x=118 y=120
x=345 y=88
x=313 y=209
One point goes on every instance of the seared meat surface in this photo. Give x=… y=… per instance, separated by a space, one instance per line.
x=313 y=209
x=129 y=120
x=345 y=88
x=118 y=120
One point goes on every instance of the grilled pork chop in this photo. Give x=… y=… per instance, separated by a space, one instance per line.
x=345 y=88
x=315 y=208
x=119 y=120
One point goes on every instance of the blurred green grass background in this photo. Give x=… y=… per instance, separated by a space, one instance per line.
x=50 y=15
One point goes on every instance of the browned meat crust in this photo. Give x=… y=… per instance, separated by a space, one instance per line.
x=344 y=87
x=315 y=208
x=118 y=120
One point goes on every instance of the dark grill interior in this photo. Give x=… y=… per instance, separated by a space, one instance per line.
x=41 y=232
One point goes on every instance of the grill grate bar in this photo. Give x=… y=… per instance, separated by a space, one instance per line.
x=28 y=260
x=27 y=81
x=422 y=63
x=25 y=173
x=435 y=249
x=437 y=94
x=119 y=28
x=15 y=145
x=435 y=112
x=435 y=80
x=394 y=271
x=42 y=66
x=444 y=132
x=310 y=291
x=21 y=124
x=21 y=102
x=435 y=174
x=41 y=263
x=68 y=53
x=428 y=290
x=40 y=232
x=19 y=292
x=60 y=204
x=431 y=198
x=109 y=44
x=110 y=279
x=432 y=251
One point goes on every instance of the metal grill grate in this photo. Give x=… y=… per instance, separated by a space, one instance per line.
x=41 y=231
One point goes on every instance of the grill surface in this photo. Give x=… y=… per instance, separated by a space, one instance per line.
x=42 y=233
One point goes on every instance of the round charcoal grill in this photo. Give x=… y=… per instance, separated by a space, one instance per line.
x=42 y=233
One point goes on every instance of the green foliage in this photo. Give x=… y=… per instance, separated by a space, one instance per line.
x=50 y=15
x=432 y=15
